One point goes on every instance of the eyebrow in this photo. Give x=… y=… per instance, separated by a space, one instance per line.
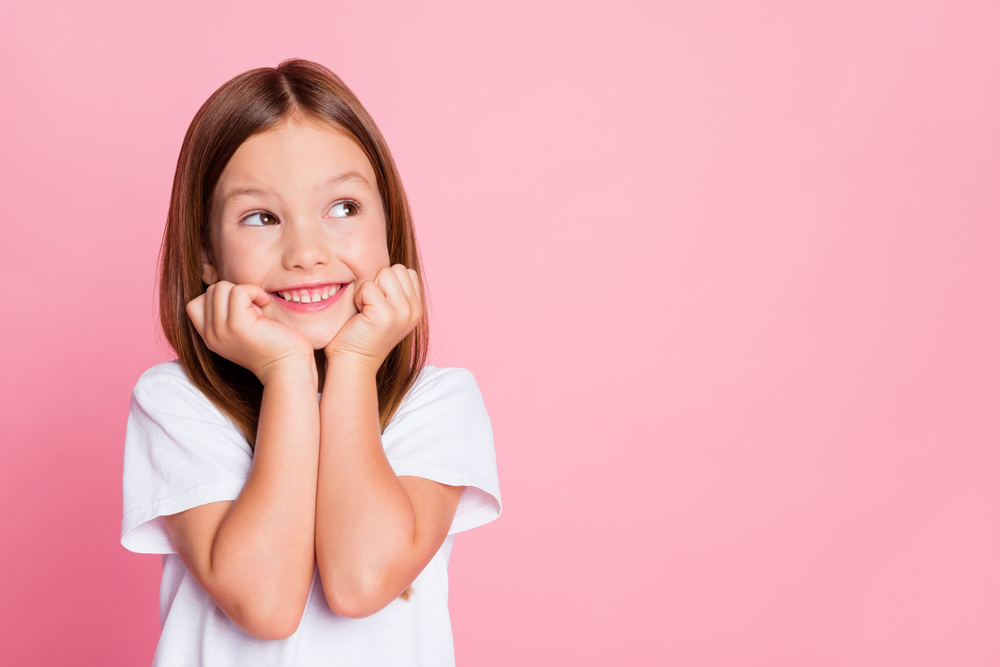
x=329 y=183
x=243 y=192
x=347 y=176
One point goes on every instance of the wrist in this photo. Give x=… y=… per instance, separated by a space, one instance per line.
x=340 y=363
x=287 y=369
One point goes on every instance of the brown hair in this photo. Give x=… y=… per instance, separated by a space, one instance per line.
x=249 y=104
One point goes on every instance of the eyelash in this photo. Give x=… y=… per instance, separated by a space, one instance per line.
x=349 y=202
x=264 y=214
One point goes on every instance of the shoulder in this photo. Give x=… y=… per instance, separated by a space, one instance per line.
x=180 y=452
x=165 y=389
x=435 y=382
x=169 y=372
x=441 y=399
x=171 y=422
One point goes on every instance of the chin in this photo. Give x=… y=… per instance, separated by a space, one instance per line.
x=319 y=344
x=320 y=334
x=321 y=338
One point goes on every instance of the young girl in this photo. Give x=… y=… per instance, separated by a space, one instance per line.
x=297 y=532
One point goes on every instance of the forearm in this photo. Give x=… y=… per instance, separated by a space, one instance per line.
x=365 y=522
x=260 y=563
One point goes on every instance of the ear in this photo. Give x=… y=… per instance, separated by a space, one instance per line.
x=209 y=274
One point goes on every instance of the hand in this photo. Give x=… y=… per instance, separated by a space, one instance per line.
x=230 y=321
x=389 y=307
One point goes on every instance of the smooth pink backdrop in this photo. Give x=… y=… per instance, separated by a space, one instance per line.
x=727 y=275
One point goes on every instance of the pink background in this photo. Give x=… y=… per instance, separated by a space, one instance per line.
x=727 y=274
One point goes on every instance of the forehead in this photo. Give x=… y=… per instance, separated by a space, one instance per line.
x=297 y=155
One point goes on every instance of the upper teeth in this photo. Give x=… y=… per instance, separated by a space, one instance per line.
x=311 y=295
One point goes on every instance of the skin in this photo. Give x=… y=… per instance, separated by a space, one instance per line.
x=297 y=205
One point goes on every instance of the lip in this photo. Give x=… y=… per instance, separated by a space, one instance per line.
x=315 y=306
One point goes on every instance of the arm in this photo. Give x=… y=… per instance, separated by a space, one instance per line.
x=375 y=532
x=255 y=556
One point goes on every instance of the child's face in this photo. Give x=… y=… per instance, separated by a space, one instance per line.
x=297 y=212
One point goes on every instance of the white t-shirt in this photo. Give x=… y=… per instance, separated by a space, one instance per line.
x=181 y=452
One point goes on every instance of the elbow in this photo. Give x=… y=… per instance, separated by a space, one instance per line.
x=274 y=619
x=270 y=626
x=264 y=605
x=357 y=598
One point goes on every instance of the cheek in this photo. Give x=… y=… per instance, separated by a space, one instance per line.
x=370 y=253
x=383 y=255
x=241 y=262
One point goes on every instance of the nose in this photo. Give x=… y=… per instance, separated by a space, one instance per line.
x=305 y=246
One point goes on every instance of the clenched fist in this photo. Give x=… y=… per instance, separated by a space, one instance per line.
x=230 y=321
x=389 y=307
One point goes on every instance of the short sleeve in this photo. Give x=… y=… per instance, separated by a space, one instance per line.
x=442 y=432
x=180 y=452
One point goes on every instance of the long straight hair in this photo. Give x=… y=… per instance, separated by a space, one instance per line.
x=249 y=104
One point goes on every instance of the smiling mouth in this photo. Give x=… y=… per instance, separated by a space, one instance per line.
x=310 y=294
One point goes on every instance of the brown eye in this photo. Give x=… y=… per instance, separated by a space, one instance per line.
x=343 y=209
x=260 y=219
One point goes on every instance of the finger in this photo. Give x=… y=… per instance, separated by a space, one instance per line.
x=370 y=295
x=258 y=295
x=415 y=279
x=220 y=306
x=239 y=305
x=417 y=310
x=246 y=298
x=209 y=310
x=406 y=282
x=196 y=313
x=388 y=281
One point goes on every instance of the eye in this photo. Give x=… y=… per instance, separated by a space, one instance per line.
x=343 y=209
x=259 y=219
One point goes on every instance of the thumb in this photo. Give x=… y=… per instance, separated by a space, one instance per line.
x=258 y=296
x=244 y=297
x=259 y=299
x=254 y=293
x=368 y=295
